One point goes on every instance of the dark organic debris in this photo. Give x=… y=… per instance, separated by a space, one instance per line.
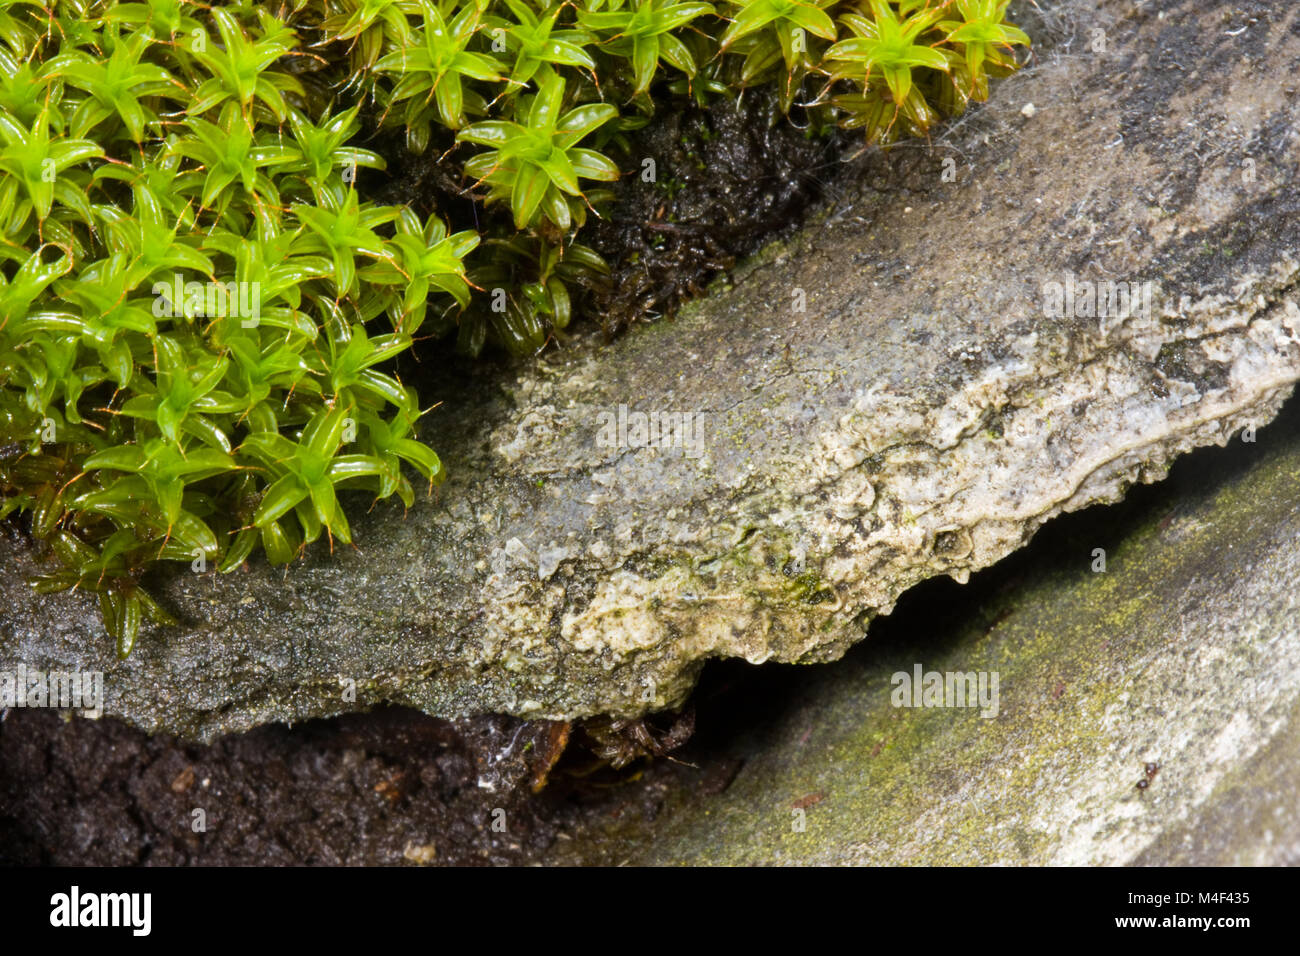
x=726 y=180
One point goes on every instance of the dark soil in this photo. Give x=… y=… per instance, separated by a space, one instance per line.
x=389 y=787
x=357 y=790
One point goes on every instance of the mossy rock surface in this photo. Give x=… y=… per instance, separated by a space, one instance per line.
x=924 y=415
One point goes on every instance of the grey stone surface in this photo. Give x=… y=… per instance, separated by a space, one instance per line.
x=1183 y=653
x=923 y=416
